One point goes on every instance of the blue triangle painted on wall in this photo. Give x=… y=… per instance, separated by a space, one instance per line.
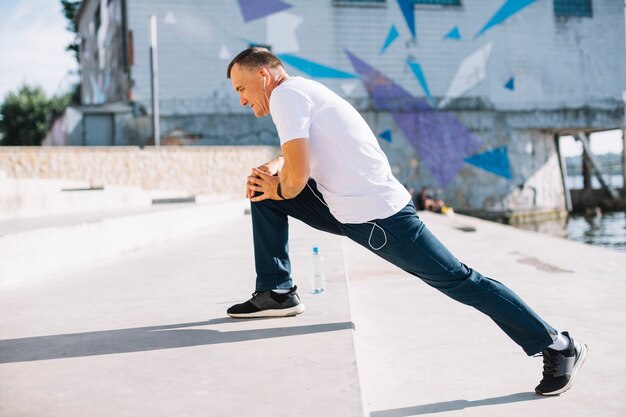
x=508 y=9
x=406 y=6
x=510 y=84
x=386 y=135
x=391 y=36
x=419 y=74
x=495 y=161
x=313 y=68
x=453 y=34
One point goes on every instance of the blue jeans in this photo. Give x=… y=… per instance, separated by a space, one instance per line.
x=403 y=240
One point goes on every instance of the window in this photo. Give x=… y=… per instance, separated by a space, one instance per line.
x=572 y=8
x=442 y=2
x=359 y=2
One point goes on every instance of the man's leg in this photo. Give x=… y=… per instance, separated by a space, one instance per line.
x=270 y=229
x=274 y=295
x=412 y=247
x=407 y=243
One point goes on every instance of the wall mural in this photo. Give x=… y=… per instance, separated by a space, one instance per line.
x=470 y=73
x=391 y=36
x=507 y=10
x=417 y=71
x=313 y=69
x=386 y=135
x=495 y=161
x=453 y=34
x=256 y=9
x=440 y=139
x=406 y=7
x=281 y=32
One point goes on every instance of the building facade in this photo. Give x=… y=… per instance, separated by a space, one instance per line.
x=467 y=96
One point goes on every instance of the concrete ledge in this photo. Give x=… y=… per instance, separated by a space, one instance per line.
x=27 y=197
x=195 y=169
x=48 y=250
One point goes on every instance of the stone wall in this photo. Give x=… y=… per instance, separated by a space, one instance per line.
x=197 y=170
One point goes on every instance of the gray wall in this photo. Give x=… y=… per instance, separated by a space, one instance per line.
x=103 y=75
x=569 y=74
x=557 y=62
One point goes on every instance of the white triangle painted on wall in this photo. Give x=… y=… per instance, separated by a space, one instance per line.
x=348 y=88
x=170 y=18
x=225 y=53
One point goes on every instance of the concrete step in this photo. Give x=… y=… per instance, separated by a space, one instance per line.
x=24 y=198
x=421 y=353
x=146 y=334
x=39 y=248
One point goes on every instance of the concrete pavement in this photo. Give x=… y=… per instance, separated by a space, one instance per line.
x=145 y=333
x=421 y=353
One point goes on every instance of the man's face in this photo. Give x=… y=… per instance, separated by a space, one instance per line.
x=249 y=85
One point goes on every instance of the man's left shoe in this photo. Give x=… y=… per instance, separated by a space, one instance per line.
x=268 y=304
x=560 y=367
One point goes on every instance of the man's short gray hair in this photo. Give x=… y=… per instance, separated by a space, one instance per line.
x=254 y=57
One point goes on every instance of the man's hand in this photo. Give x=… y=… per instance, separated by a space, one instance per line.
x=263 y=183
x=272 y=167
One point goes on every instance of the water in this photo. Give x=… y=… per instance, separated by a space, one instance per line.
x=575 y=182
x=318 y=281
x=607 y=230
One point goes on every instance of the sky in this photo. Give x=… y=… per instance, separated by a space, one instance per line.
x=33 y=37
x=609 y=141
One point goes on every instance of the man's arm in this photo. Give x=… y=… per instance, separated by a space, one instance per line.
x=274 y=166
x=296 y=170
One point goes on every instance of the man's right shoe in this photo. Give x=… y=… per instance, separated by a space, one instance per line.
x=560 y=367
x=269 y=304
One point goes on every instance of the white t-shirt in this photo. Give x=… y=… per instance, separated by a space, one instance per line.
x=350 y=169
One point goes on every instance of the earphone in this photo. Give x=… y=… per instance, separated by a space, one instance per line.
x=264 y=91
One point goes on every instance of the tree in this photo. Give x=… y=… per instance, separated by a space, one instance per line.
x=26 y=116
x=70 y=7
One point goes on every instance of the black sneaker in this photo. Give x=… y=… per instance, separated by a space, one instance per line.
x=560 y=367
x=269 y=304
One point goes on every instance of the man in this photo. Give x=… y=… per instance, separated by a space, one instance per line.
x=333 y=176
x=426 y=201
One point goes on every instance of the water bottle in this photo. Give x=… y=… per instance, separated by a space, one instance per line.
x=318 y=281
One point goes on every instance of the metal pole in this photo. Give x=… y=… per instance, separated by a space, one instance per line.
x=563 y=166
x=586 y=171
x=624 y=158
x=583 y=138
x=154 y=75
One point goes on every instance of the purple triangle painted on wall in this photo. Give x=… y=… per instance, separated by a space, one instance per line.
x=256 y=9
x=440 y=139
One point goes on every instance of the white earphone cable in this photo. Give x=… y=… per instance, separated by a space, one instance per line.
x=369 y=241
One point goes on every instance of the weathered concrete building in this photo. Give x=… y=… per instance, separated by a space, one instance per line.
x=467 y=96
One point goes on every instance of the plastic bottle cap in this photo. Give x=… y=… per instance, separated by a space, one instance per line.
x=315 y=250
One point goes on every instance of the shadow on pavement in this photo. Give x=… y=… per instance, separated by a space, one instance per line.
x=141 y=339
x=455 y=405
